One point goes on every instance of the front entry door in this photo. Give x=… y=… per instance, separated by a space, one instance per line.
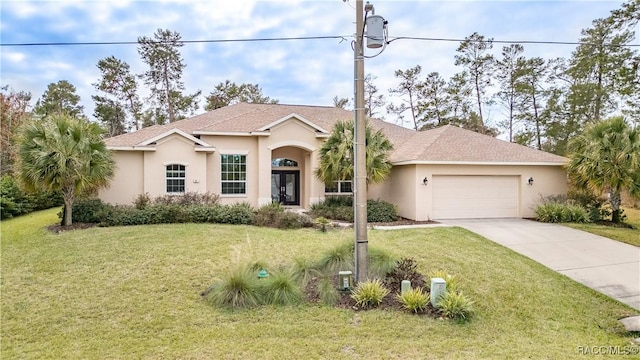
x=285 y=187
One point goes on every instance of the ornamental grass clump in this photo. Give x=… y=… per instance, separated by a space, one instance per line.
x=369 y=294
x=281 y=288
x=337 y=259
x=381 y=263
x=238 y=289
x=414 y=300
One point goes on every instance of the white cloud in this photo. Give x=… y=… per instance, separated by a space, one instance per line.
x=307 y=72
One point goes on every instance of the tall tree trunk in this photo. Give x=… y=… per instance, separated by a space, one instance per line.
x=536 y=119
x=615 y=201
x=413 y=111
x=67 y=196
x=172 y=116
x=479 y=103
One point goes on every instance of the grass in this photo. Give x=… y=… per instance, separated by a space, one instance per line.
x=626 y=235
x=134 y=292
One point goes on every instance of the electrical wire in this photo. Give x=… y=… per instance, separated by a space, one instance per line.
x=182 y=41
x=339 y=37
x=542 y=42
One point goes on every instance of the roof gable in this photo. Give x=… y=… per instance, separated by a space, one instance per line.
x=171 y=132
x=293 y=116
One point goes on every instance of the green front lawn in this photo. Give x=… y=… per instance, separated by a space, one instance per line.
x=629 y=236
x=134 y=292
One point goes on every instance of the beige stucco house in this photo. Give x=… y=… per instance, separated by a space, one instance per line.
x=259 y=153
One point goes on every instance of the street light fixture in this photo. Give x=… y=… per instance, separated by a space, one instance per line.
x=376 y=38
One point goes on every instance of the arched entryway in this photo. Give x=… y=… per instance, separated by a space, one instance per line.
x=288 y=175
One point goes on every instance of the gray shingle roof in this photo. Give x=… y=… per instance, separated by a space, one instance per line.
x=444 y=144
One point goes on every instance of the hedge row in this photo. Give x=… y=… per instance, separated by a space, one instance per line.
x=341 y=208
x=95 y=211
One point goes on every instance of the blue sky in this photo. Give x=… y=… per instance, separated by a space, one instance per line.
x=307 y=72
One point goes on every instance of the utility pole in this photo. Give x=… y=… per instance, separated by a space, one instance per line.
x=360 y=168
x=376 y=39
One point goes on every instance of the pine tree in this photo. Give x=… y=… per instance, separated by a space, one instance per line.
x=164 y=76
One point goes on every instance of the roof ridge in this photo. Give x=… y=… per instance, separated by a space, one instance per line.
x=438 y=133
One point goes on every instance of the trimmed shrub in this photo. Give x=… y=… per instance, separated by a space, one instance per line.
x=203 y=213
x=337 y=201
x=369 y=294
x=381 y=211
x=87 y=210
x=414 y=300
x=188 y=198
x=237 y=214
x=291 y=220
x=280 y=288
x=267 y=215
x=239 y=289
x=455 y=305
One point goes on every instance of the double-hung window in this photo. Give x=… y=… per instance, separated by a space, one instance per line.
x=233 y=174
x=175 y=176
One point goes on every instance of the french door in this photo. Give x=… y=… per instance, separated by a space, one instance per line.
x=285 y=187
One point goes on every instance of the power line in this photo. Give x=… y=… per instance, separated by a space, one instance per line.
x=512 y=41
x=182 y=41
x=337 y=37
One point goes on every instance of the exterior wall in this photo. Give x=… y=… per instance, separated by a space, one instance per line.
x=128 y=179
x=400 y=189
x=291 y=139
x=415 y=200
x=240 y=145
x=174 y=149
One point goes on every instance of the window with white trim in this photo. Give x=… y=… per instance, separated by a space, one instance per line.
x=233 y=172
x=339 y=187
x=175 y=178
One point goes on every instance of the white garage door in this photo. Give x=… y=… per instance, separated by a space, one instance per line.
x=468 y=197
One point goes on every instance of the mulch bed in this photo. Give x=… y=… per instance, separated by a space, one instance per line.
x=389 y=302
x=57 y=228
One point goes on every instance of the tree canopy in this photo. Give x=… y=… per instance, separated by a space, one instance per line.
x=337 y=158
x=64 y=153
x=228 y=93
x=606 y=158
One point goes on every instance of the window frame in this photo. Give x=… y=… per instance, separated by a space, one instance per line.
x=176 y=179
x=236 y=175
x=339 y=186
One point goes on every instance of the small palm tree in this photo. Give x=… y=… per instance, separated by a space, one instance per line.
x=337 y=158
x=606 y=158
x=66 y=154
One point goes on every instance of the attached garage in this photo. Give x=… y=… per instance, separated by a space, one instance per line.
x=453 y=173
x=468 y=197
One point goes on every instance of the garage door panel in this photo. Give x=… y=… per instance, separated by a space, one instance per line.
x=475 y=197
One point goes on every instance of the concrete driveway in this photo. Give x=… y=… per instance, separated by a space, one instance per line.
x=605 y=265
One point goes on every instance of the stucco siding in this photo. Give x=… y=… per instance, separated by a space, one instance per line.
x=127 y=181
x=234 y=145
